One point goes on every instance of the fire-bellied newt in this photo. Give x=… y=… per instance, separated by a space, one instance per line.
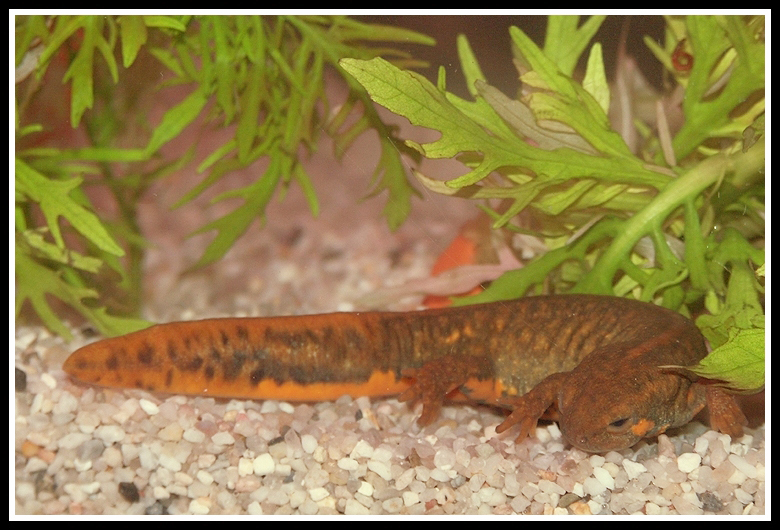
x=596 y=364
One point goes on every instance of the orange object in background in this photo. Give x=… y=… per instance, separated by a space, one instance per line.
x=465 y=249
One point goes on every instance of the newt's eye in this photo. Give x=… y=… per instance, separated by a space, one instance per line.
x=620 y=425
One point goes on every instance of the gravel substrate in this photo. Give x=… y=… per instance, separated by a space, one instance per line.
x=84 y=450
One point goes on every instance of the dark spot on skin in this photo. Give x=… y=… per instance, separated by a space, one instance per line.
x=256 y=376
x=209 y=373
x=194 y=365
x=259 y=356
x=138 y=383
x=112 y=363
x=224 y=337
x=242 y=333
x=295 y=341
x=172 y=353
x=146 y=354
x=82 y=365
x=187 y=343
x=312 y=337
x=168 y=378
x=233 y=367
x=299 y=375
x=354 y=339
x=215 y=355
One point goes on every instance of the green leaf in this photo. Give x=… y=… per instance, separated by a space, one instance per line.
x=162 y=21
x=250 y=114
x=52 y=252
x=133 y=31
x=219 y=153
x=175 y=120
x=390 y=175
x=739 y=362
x=564 y=42
x=414 y=97
x=169 y=60
x=231 y=226
x=55 y=201
x=710 y=38
x=64 y=27
x=35 y=282
x=106 y=49
x=100 y=154
x=471 y=70
x=520 y=117
x=223 y=68
x=595 y=81
x=80 y=72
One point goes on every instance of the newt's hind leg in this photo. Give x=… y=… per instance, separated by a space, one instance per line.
x=725 y=414
x=437 y=379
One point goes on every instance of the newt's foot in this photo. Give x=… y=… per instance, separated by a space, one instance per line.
x=725 y=414
x=428 y=388
x=519 y=417
x=529 y=408
x=435 y=380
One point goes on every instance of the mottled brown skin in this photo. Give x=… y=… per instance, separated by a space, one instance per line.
x=591 y=362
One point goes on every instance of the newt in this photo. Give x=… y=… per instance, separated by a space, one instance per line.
x=596 y=364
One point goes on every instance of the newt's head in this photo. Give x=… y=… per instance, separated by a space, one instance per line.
x=611 y=400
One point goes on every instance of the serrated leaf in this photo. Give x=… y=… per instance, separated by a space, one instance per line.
x=710 y=40
x=304 y=181
x=35 y=283
x=53 y=252
x=54 y=200
x=250 y=114
x=106 y=50
x=564 y=42
x=351 y=29
x=739 y=362
x=175 y=120
x=133 y=32
x=231 y=226
x=103 y=154
x=415 y=98
x=64 y=27
x=595 y=81
x=522 y=119
x=80 y=74
x=224 y=69
x=390 y=174
x=217 y=154
x=471 y=70
x=162 y=21
x=169 y=60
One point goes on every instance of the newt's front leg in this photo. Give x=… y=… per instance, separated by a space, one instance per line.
x=529 y=408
